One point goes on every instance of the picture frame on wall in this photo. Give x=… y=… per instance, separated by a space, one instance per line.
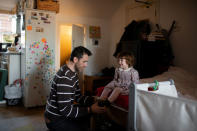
x=95 y=32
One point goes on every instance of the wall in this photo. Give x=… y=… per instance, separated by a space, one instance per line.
x=65 y=43
x=117 y=22
x=99 y=60
x=129 y=11
x=182 y=40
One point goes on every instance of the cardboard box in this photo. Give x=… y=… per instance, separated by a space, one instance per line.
x=50 y=5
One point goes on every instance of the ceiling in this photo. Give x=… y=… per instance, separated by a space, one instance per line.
x=85 y=8
x=8 y=4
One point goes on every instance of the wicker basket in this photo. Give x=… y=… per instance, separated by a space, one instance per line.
x=12 y=49
x=49 y=5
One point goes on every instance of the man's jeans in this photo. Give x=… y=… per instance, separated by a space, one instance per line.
x=69 y=125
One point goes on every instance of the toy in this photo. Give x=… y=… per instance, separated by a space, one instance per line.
x=155 y=87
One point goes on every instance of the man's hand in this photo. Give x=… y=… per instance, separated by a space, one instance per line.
x=95 y=98
x=97 y=109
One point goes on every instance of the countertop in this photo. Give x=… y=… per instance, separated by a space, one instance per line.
x=10 y=53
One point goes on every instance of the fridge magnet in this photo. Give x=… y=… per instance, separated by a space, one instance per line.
x=39 y=71
x=37 y=84
x=29 y=27
x=45 y=47
x=41 y=14
x=94 y=32
x=40 y=62
x=50 y=62
x=43 y=18
x=41 y=86
x=47 y=15
x=47 y=22
x=39 y=68
x=44 y=101
x=34 y=45
x=34 y=17
x=50 y=70
x=42 y=30
x=44 y=40
x=39 y=29
x=37 y=77
x=42 y=97
x=29 y=21
x=45 y=62
x=48 y=53
x=33 y=14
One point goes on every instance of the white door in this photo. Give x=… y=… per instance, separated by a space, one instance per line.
x=77 y=36
x=78 y=40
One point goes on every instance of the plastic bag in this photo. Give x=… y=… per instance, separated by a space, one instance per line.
x=13 y=91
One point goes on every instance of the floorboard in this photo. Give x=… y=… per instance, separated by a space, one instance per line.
x=19 y=118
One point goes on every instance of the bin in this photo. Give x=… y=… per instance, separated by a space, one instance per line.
x=3 y=81
x=13 y=92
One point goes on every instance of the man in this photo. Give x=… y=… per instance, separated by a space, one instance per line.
x=66 y=109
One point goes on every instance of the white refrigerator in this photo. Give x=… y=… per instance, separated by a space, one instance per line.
x=38 y=58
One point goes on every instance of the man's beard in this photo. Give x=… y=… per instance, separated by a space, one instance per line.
x=77 y=68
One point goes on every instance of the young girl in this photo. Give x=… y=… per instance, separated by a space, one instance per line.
x=124 y=76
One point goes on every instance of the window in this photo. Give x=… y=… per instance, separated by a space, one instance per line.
x=7 y=28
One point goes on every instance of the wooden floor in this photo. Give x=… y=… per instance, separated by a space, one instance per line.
x=19 y=118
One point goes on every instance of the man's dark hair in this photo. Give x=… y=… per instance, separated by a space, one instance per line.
x=79 y=52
